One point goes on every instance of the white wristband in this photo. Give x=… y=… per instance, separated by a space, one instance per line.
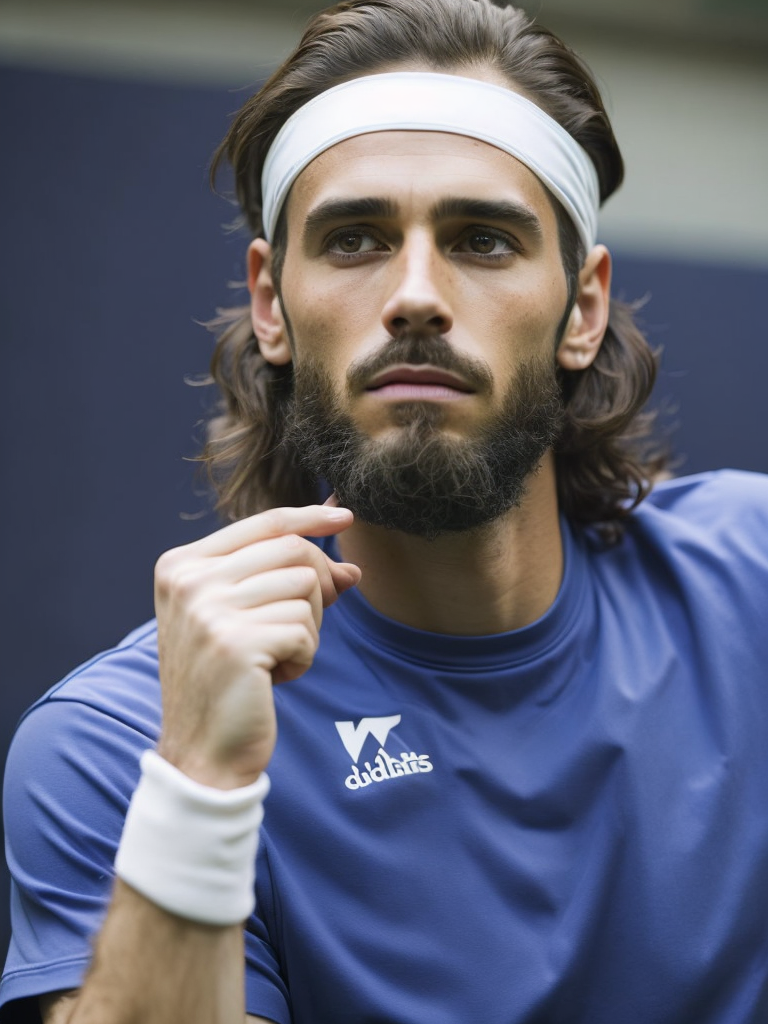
x=189 y=848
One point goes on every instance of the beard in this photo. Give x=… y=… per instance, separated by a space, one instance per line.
x=422 y=481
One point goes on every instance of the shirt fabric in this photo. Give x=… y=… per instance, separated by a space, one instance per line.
x=564 y=824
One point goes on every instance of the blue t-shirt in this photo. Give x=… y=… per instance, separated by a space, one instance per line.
x=560 y=825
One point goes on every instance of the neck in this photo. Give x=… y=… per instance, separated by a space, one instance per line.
x=500 y=577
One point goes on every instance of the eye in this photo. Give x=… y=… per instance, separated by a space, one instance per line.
x=484 y=242
x=352 y=242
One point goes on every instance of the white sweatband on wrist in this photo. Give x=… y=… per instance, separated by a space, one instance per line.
x=189 y=848
x=425 y=101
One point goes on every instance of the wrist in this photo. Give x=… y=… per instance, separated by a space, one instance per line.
x=209 y=773
x=190 y=847
x=232 y=765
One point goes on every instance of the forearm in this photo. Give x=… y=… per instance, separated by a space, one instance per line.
x=151 y=967
x=237 y=612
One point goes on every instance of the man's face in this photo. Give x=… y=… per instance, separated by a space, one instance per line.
x=423 y=286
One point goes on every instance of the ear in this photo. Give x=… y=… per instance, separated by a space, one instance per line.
x=588 y=321
x=266 y=313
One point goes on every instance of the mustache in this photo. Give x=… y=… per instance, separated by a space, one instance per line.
x=420 y=350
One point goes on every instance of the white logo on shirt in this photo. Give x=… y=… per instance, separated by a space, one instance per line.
x=384 y=766
x=354 y=736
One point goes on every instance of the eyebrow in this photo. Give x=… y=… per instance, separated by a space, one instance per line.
x=348 y=209
x=505 y=210
x=489 y=209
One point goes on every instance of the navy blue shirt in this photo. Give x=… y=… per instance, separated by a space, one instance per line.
x=560 y=825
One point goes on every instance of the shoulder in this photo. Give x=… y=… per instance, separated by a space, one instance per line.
x=90 y=727
x=698 y=532
x=72 y=766
x=725 y=511
x=713 y=496
x=121 y=682
x=709 y=530
x=74 y=760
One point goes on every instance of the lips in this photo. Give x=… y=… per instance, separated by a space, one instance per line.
x=418 y=378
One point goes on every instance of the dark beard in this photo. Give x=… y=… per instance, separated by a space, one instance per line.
x=423 y=482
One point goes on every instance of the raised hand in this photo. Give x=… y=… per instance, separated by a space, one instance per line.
x=238 y=611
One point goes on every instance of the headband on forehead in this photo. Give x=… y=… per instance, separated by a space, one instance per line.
x=423 y=101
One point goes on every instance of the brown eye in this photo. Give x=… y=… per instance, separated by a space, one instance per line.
x=483 y=244
x=488 y=243
x=353 y=242
x=349 y=243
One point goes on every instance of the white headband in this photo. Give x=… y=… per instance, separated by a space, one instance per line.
x=422 y=101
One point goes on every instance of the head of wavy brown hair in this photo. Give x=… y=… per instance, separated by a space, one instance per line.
x=606 y=457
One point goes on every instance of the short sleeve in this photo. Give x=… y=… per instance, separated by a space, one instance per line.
x=266 y=993
x=72 y=768
x=70 y=775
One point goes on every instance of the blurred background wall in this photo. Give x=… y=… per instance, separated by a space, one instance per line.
x=113 y=250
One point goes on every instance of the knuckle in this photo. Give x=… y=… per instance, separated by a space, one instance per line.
x=274 y=520
x=164 y=570
x=180 y=589
x=308 y=576
x=295 y=610
x=303 y=579
x=302 y=642
x=308 y=644
x=224 y=646
x=184 y=583
x=204 y=621
x=226 y=643
x=289 y=546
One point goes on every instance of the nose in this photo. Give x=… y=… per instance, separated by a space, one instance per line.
x=418 y=301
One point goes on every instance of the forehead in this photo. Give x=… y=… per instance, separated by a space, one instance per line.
x=413 y=168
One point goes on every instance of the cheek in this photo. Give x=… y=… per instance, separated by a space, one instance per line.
x=537 y=311
x=334 y=328
x=523 y=330
x=528 y=330
x=317 y=339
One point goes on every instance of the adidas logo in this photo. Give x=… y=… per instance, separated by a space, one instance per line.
x=385 y=766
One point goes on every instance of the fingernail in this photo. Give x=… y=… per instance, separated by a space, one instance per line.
x=331 y=501
x=337 y=514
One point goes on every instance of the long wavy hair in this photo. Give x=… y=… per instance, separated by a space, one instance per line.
x=606 y=456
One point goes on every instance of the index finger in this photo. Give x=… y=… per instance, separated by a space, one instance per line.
x=308 y=521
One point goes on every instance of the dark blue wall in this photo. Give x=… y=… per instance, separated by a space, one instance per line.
x=111 y=249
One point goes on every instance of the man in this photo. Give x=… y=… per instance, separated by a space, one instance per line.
x=514 y=723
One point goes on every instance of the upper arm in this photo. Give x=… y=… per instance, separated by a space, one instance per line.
x=64 y=803
x=71 y=770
